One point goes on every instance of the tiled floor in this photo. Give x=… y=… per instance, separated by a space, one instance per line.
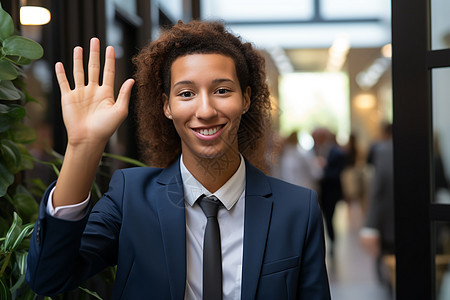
x=352 y=271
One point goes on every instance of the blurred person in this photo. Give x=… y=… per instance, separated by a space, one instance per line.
x=333 y=162
x=203 y=109
x=298 y=166
x=353 y=177
x=351 y=150
x=349 y=177
x=386 y=134
x=377 y=235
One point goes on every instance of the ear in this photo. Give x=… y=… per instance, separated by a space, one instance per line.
x=247 y=101
x=166 y=107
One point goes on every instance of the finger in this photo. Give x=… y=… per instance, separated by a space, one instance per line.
x=62 y=78
x=123 y=99
x=109 y=70
x=78 y=71
x=94 y=61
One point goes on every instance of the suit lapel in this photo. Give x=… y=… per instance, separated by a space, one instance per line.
x=173 y=227
x=258 y=211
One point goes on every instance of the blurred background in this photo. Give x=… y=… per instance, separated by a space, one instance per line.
x=328 y=65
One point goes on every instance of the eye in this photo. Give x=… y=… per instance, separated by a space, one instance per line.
x=222 y=91
x=186 y=94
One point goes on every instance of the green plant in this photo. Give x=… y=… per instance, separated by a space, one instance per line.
x=17 y=204
x=15 y=51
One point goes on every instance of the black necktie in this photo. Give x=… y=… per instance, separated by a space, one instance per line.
x=212 y=253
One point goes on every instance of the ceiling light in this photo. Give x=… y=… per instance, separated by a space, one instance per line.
x=337 y=54
x=34 y=15
x=365 y=101
x=386 y=51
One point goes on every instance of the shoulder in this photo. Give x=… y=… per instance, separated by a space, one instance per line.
x=265 y=185
x=282 y=187
x=140 y=171
x=294 y=205
x=133 y=177
x=291 y=196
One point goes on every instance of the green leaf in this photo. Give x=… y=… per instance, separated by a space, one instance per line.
x=12 y=233
x=26 y=231
x=7 y=70
x=26 y=293
x=29 y=98
x=26 y=160
x=4 y=109
x=8 y=91
x=19 y=60
x=6 y=27
x=36 y=187
x=5 y=294
x=20 y=74
x=25 y=204
x=17 y=285
x=9 y=114
x=22 y=133
x=87 y=291
x=22 y=46
x=14 y=111
x=6 y=179
x=21 y=260
x=17 y=112
x=54 y=165
x=10 y=153
x=5 y=123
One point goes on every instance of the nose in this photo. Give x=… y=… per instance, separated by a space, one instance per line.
x=205 y=107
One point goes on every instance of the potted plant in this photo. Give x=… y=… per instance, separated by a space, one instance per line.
x=17 y=204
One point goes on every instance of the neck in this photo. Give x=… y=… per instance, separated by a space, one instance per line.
x=213 y=173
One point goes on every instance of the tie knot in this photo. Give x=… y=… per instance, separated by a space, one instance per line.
x=209 y=204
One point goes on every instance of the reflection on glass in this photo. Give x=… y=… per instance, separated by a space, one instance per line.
x=440 y=24
x=442 y=260
x=441 y=125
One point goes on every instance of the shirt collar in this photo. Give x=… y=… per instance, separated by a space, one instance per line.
x=228 y=193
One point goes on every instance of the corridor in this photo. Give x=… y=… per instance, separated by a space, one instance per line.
x=352 y=271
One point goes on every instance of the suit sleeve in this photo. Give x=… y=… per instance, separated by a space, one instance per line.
x=64 y=253
x=313 y=279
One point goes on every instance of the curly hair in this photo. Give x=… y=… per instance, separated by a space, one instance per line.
x=159 y=142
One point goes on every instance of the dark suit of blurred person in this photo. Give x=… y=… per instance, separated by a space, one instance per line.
x=380 y=215
x=334 y=162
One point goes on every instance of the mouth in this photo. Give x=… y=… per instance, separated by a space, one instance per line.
x=208 y=134
x=208 y=131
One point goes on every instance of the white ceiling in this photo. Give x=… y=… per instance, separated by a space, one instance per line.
x=292 y=24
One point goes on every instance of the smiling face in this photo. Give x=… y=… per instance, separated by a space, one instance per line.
x=206 y=104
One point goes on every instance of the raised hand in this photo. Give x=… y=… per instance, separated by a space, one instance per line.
x=91 y=115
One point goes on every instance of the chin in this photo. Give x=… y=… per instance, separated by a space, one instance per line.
x=210 y=154
x=213 y=153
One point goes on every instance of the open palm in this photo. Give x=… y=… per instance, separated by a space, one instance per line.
x=91 y=115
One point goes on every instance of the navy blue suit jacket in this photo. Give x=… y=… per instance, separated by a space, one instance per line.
x=139 y=224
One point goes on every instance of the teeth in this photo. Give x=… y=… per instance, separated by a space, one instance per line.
x=210 y=131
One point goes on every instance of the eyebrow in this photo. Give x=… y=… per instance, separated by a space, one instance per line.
x=218 y=80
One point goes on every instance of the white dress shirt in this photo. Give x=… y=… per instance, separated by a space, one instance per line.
x=231 y=222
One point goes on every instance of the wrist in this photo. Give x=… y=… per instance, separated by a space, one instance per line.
x=87 y=143
x=77 y=173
